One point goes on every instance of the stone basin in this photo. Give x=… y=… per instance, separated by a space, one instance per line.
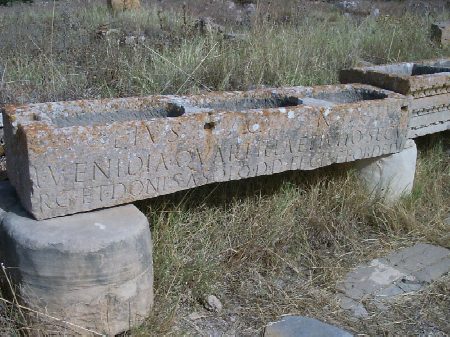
x=426 y=83
x=69 y=157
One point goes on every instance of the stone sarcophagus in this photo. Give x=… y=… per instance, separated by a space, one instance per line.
x=70 y=157
x=426 y=83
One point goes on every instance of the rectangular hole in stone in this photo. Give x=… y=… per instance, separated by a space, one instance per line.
x=248 y=103
x=413 y=69
x=404 y=69
x=349 y=96
x=418 y=69
x=85 y=118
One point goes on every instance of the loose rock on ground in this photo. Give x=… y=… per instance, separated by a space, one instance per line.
x=212 y=303
x=401 y=272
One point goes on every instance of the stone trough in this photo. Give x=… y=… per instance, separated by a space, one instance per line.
x=426 y=83
x=70 y=157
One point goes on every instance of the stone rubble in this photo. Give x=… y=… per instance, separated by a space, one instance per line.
x=212 y=303
x=405 y=271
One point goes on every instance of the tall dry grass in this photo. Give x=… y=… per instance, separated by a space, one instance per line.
x=266 y=246
x=58 y=57
x=276 y=245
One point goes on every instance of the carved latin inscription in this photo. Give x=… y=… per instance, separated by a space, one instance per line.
x=104 y=165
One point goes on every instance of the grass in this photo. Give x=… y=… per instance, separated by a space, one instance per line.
x=278 y=245
x=48 y=58
x=265 y=246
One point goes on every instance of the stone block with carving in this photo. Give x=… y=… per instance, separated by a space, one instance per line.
x=69 y=157
x=426 y=83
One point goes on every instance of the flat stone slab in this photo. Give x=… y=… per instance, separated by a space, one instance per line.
x=401 y=272
x=299 y=326
x=427 y=84
x=92 y=269
x=71 y=157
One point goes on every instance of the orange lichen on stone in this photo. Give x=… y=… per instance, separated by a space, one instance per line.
x=69 y=157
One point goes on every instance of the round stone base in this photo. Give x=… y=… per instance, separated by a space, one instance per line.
x=390 y=176
x=90 y=269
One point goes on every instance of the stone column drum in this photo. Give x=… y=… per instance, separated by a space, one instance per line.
x=390 y=176
x=91 y=269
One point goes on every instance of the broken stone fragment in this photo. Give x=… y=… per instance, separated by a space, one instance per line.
x=212 y=303
x=355 y=307
x=401 y=272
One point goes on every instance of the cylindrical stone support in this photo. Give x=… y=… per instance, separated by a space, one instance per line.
x=91 y=269
x=390 y=176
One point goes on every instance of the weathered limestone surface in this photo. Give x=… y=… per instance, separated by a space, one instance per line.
x=92 y=269
x=77 y=156
x=427 y=84
x=440 y=32
x=390 y=176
